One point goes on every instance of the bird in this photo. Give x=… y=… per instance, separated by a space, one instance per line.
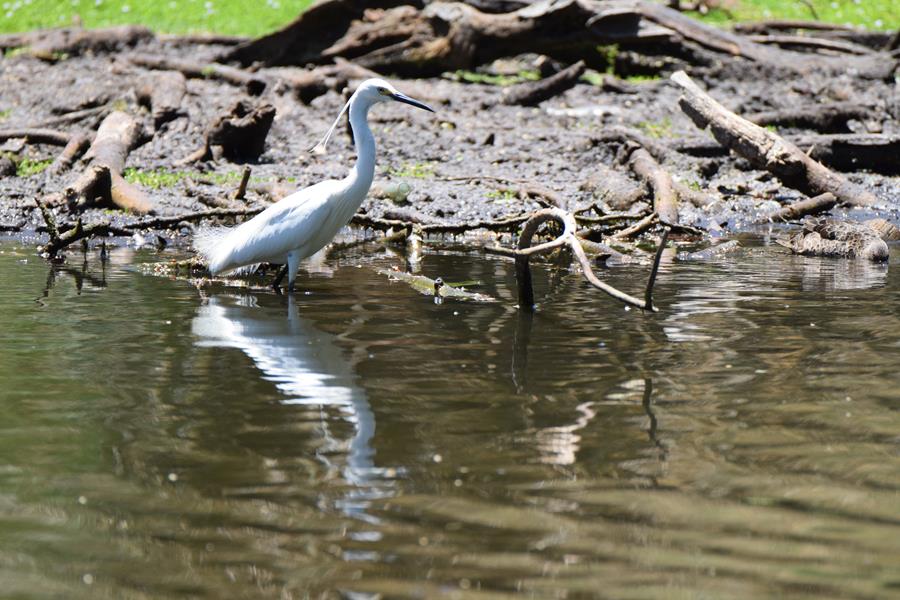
x=303 y=223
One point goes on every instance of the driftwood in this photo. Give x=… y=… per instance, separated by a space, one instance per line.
x=665 y=200
x=307 y=85
x=253 y=84
x=568 y=239
x=162 y=94
x=534 y=92
x=826 y=118
x=52 y=44
x=239 y=135
x=807 y=206
x=843 y=239
x=765 y=148
x=451 y=35
x=118 y=134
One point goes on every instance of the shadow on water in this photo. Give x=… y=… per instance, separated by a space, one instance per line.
x=161 y=440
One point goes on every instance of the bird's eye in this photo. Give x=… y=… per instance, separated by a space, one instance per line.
x=384 y=91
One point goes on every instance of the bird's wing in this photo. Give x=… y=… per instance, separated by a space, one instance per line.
x=281 y=228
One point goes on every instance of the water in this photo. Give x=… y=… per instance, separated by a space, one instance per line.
x=164 y=441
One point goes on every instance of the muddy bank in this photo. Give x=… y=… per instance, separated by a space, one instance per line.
x=595 y=148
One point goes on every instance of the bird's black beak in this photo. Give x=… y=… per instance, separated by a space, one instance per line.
x=407 y=100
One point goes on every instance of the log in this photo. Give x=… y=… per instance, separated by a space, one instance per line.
x=812 y=43
x=252 y=83
x=451 y=35
x=239 y=135
x=532 y=93
x=303 y=41
x=37 y=136
x=51 y=44
x=807 y=206
x=163 y=94
x=665 y=201
x=117 y=135
x=766 y=149
x=854 y=152
x=826 y=118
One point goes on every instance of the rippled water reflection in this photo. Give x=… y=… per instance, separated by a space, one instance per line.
x=164 y=441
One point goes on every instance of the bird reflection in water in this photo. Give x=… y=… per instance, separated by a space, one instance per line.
x=308 y=368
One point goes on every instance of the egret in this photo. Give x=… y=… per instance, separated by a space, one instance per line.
x=301 y=224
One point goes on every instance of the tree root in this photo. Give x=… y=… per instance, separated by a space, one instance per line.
x=567 y=238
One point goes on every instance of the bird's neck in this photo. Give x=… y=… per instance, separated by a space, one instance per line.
x=360 y=178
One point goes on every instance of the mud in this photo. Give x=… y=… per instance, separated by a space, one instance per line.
x=473 y=160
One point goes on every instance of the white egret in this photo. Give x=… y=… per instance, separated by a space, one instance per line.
x=301 y=224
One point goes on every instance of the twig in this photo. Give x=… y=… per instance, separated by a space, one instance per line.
x=637 y=228
x=801 y=208
x=242 y=188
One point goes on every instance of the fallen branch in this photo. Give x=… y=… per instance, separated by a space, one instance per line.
x=75 y=147
x=765 y=148
x=802 y=208
x=665 y=201
x=815 y=43
x=37 y=136
x=532 y=93
x=524 y=250
x=240 y=135
x=242 y=187
x=509 y=224
x=827 y=118
x=202 y=70
x=117 y=135
x=163 y=94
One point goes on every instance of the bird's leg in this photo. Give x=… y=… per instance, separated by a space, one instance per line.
x=293 y=263
x=279 y=278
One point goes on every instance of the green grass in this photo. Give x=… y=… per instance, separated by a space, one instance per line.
x=238 y=17
x=233 y=17
x=27 y=166
x=414 y=170
x=871 y=14
x=657 y=129
x=154 y=178
x=501 y=80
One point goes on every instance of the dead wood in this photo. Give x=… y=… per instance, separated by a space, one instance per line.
x=507 y=224
x=665 y=201
x=802 y=208
x=162 y=93
x=242 y=187
x=53 y=44
x=239 y=135
x=303 y=41
x=60 y=240
x=812 y=43
x=194 y=39
x=612 y=187
x=765 y=148
x=854 y=152
x=37 y=136
x=252 y=83
x=117 y=135
x=532 y=93
x=446 y=36
x=307 y=85
x=844 y=239
x=698 y=198
x=826 y=118
x=567 y=239
x=75 y=147
x=637 y=228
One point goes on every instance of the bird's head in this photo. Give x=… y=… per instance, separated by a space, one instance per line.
x=379 y=90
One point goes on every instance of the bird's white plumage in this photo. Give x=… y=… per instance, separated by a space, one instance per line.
x=303 y=223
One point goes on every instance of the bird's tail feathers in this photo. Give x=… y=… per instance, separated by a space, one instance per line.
x=207 y=242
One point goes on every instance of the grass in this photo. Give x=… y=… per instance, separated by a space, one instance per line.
x=233 y=17
x=28 y=167
x=501 y=80
x=871 y=14
x=154 y=178
x=414 y=170
x=657 y=129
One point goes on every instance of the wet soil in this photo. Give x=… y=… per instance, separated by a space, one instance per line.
x=467 y=162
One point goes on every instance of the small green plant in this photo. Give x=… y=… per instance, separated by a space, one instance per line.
x=657 y=129
x=28 y=167
x=414 y=170
x=502 y=195
x=609 y=54
x=501 y=80
x=154 y=178
x=4 y=114
x=17 y=51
